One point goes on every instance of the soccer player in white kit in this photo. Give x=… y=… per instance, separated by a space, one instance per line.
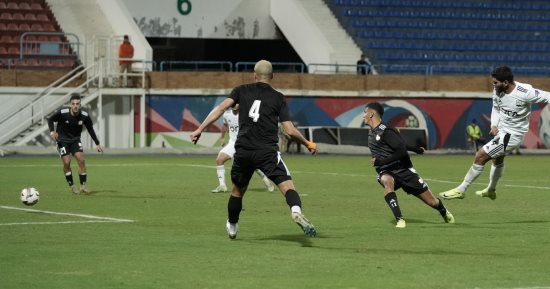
x=231 y=123
x=512 y=102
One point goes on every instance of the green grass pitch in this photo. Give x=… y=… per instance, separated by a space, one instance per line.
x=177 y=238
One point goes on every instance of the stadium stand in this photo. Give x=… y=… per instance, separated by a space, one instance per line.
x=31 y=37
x=449 y=36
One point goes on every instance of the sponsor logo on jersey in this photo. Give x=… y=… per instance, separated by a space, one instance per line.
x=79 y=122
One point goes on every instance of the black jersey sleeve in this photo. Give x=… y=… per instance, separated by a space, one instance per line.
x=285 y=115
x=393 y=139
x=53 y=119
x=417 y=150
x=91 y=131
x=235 y=94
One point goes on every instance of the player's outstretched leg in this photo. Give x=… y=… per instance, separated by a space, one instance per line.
x=295 y=204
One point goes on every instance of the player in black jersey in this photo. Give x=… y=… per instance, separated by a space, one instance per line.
x=394 y=167
x=261 y=109
x=66 y=134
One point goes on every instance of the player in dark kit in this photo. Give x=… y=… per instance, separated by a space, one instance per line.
x=261 y=109
x=67 y=136
x=394 y=167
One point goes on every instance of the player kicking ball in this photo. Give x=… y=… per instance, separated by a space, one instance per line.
x=510 y=115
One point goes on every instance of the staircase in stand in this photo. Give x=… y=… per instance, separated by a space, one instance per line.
x=28 y=124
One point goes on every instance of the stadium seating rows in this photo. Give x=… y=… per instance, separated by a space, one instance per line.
x=481 y=33
x=34 y=50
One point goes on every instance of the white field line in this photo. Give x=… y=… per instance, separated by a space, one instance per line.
x=303 y=172
x=94 y=219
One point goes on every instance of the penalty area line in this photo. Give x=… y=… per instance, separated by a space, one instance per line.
x=94 y=219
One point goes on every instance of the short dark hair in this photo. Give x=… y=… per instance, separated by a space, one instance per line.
x=126 y=37
x=376 y=107
x=503 y=73
x=75 y=96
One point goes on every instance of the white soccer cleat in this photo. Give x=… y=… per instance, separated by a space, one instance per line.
x=231 y=229
x=304 y=223
x=485 y=193
x=74 y=190
x=269 y=185
x=452 y=194
x=220 y=189
x=449 y=218
x=401 y=224
x=84 y=189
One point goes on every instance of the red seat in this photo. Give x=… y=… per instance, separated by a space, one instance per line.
x=42 y=17
x=43 y=38
x=24 y=27
x=3 y=50
x=6 y=39
x=17 y=16
x=12 y=5
x=49 y=28
x=30 y=38
x=36 y=27
x=30 y=17
x=24 y=6
x=13 y=50
x=3 y=5
x=36 y=6
x=3 y=26
x=5 y=15
x=55 y=38
x=12 y=27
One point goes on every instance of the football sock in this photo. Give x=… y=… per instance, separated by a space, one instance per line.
x=69 y=178
x=293 y=201
x=83 y=178
x=260 y=173
x=441 y=208
x=472 y=174
x=494 y=176
x=234 y=207
x=391 y=199
x=221 y=174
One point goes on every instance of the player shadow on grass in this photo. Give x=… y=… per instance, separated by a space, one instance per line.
x=303 y=240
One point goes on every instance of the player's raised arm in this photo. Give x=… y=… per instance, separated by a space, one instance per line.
x=211 y=118
x=294 y=133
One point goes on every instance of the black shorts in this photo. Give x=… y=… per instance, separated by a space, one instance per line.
x=66 y=148
x=269 y=162
x=407 y=179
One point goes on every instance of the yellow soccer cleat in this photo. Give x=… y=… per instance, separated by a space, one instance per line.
x=401 y=224
x=485 y=193
x=449 y=218
x=452 y=194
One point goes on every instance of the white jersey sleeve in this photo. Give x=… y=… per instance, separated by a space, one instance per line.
x=512 y=111
x=232 y=122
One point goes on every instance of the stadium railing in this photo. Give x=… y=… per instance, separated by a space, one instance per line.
x=295 y=67
x=196 y=66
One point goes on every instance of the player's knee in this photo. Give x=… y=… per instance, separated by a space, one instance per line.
x=239 y=181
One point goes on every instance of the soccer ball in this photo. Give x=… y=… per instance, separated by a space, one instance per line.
x=29 y=196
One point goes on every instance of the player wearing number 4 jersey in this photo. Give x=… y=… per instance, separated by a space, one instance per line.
x=262 y=108
x=512 y=102
x=231 y=125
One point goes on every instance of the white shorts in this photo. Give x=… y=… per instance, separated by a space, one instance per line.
x=228 y=149
x=502 y=144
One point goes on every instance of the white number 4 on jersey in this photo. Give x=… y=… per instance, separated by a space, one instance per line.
x=254 y=111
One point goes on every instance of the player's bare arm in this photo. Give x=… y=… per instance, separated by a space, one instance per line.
x=211 y=118
x=295 y=134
